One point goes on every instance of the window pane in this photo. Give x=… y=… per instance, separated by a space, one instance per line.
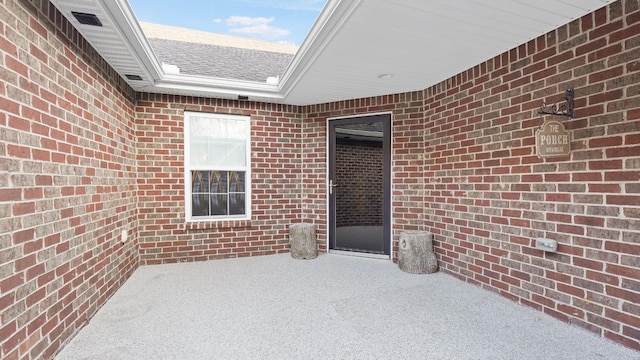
x=199 y=181
x=217 y=142
x=236 y=204
x=236 y=182
x=227 y=152
x=219 y=182
x=219 y=204
x=199 y=154
x=236 y=193
x=200 y=204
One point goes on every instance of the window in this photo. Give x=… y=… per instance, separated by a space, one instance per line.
x=217 y=166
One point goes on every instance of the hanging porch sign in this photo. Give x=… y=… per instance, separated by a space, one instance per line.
x=553 y=140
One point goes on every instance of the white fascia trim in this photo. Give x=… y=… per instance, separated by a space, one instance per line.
x=204 y=84
x=333 y=16
x=131 y=32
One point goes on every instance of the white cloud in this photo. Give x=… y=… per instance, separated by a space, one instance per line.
x=248 y=21
x=257 y=26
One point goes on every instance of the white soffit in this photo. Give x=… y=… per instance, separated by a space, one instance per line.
x=122 y=43
x=110 y=39
x=418 y=43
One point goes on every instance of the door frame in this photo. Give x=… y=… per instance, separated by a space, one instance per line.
x=388 y=213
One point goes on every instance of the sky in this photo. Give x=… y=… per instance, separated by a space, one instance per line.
x=285 y=21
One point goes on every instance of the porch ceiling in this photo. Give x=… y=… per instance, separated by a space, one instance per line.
x=349 y=49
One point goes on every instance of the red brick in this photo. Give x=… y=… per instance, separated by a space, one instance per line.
x=627 y=200
x=623 y=152
x=7 y=300
x=571 y=290
x=605 y=142
x=34 y=272
x=571 y=311
x=23 y=208
x=12 y=107
x=544 y=301
x=10 y=194
x=558 y=277
x=632 y=139
x=589 y=264
x=25 y=262
x=603 y=278
x=33 y=193
x=606 y=74
x=605 y=30
x=590 y=47
x=623 y=271
x=622 y=247
x=605 y=165
x=19 y=151
x=569 y=229
x=605 y=52
x=36 y=297
x=15 y=65
x=567 y=55
x=11 y=282
x=623 y=294
x=557 y=315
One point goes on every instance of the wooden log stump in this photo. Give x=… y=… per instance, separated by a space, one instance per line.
x=415 y=253
x=302 y=241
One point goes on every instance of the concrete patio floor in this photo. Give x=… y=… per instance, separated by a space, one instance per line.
x=331 y=307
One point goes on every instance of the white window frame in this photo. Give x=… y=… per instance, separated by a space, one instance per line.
x=188 y=168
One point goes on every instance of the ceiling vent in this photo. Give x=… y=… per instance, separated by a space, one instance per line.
x=87 y=19
x=134 y=77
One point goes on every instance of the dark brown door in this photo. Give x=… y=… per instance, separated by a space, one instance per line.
x=360 y=184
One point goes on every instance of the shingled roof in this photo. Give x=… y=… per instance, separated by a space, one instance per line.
x=201 y=53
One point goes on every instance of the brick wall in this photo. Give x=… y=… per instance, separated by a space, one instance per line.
x=83 y=158
x=283 y=190
x=276 y=178
x=488 y=195
x=359 y=174
x=67 y=180
x=289 y=174
x=407 y=158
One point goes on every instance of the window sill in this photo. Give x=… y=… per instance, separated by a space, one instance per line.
x=223 y=224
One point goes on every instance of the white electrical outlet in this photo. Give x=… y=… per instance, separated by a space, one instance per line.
x=124 y=236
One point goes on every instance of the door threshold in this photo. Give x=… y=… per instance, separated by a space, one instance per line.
x=360 y=254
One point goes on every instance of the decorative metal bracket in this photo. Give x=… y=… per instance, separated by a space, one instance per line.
x=558 y=108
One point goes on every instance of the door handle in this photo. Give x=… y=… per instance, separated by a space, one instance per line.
x=331 y=186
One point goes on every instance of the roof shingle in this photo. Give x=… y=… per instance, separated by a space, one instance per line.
x=221 y=61
x=197 y=52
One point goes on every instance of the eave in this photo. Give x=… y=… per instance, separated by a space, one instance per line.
x=355 y=49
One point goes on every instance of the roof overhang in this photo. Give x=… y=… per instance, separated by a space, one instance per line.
x=355 y=49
